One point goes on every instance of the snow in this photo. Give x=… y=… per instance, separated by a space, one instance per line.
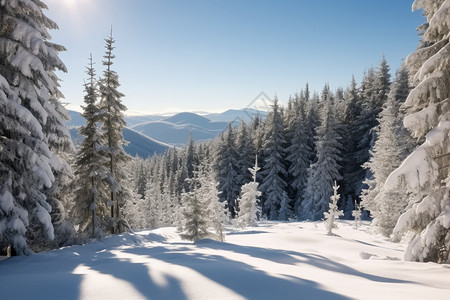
x=418 y=169
x=276 y=260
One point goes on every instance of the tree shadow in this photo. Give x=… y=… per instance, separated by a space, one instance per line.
x=240 y=277
x=293 y=257
x=137 y=274
x=53 y=275
x=246 y=232
x=24 y=277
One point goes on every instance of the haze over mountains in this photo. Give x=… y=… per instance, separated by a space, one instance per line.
x=150 y=134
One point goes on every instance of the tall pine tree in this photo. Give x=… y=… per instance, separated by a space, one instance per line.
x=31 y=122
x=274 y=170
x=90 y=166
x=112 y=124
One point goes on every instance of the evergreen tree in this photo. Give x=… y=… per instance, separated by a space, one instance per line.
x=248 y=201
x=349 y=141
x=333 y=211
x=423 y=173
x=299 y=155
x=245 y=152
x=112 y=124
x=273 y=171
x=90 y=210
x=374 y=90
x=215 y=210
x=195 y=214
x=227 y=170
x=386 y=156
x=285 y=212
x=31 y=122
x=325 y=170
x=190 y=160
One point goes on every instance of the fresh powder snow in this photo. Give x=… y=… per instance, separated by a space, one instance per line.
x=275 y=260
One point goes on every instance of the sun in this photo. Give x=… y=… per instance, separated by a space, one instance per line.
x=70 y=3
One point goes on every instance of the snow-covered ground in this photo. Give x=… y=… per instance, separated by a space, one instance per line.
x=272 y=261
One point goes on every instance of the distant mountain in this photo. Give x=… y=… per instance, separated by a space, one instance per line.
x=76 y=119
x=139 y=144
x=134 y=120
x=175 y=130
x=236 y=115
x=142 y=145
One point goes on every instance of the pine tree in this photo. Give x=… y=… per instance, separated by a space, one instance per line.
x=274 y=170
x=31 y=122
x=249 y=202
x=227 y=170
x=195 y=215
x=333 y=211
x=326 y=169
x=423 y=173
x=349 y=142
x=299 y=155
x=357 y=213
x=112 y=124
x=386 y=156
x=215 y=210
x=374 y=91
x=285 y=212
x=90 y=170
x=245 y=151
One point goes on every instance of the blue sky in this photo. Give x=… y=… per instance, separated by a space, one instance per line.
x=211 y=55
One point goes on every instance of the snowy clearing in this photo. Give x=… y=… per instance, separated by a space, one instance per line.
x=273 y=261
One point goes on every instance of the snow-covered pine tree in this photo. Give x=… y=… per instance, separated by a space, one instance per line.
x=285 y=212
x=274 y=170
x=299 y=154
x=349 y=142
x=195 y=214
x=226 y=167
x=28 y=100
x=112 y=124
x=216 y=212
x=425 y=171
x=90 y=211
x=357 y=213
x=245 y=151
x=249 y=206
x=326 y=169
x=190 y=160
x=386 y=155
x=373 y=94
x=333 y=212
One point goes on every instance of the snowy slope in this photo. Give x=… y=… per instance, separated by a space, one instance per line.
x=138 y=144
x=272 y=261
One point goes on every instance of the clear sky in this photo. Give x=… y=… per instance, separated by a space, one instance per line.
x=212 y=55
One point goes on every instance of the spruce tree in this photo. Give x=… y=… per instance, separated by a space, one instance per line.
x=299 y=155
x=248 y=201
x=373 y=94
x=326 y=169
x=424 y=173
x=333 y=212
x=227 y=170
x=274 y=170
x=112 y=124
x=31 y=122
x=245 y=152
x=195 y=215
x=385 y=157
x=90 y=166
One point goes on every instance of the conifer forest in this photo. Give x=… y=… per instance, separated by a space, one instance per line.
x=375 y=151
